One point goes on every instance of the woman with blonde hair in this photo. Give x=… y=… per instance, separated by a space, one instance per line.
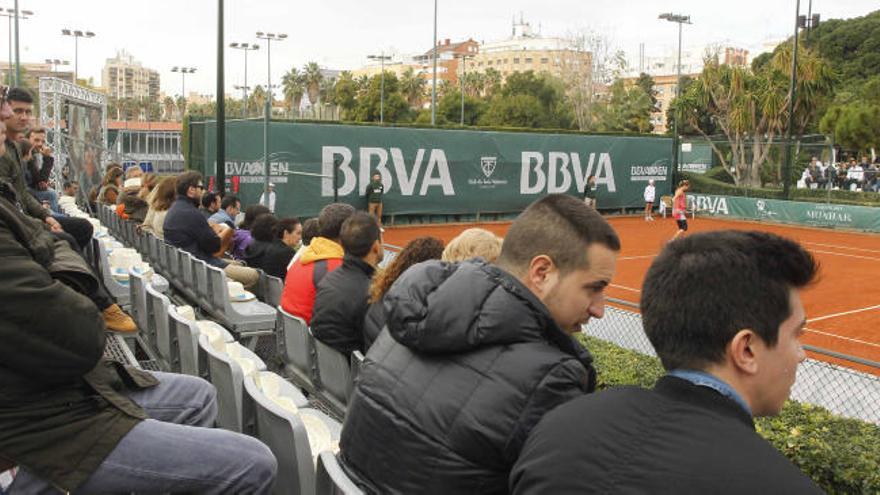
x=473 y=243
x=160 y=201
x=110 y=186
x=418 y=250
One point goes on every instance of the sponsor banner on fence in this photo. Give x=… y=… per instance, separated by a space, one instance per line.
x=802 y=213
x=431 y=171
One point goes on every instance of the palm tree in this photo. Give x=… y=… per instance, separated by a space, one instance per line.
x=181 y=106
x=312 y=77
x=168 y=104
x=491 y=81
x=293 y=87
x=474 y=83
x=412 y=86
x=363 y=84
x=258 y=98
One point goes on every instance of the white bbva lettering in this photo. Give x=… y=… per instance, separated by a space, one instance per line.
x=535 y=180
x=371 y=159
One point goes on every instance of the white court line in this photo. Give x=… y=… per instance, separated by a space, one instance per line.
x=843 y=313
x=872 y=344
x=842 y=247
x=847 y=255
x=624 y=287
x=637 y=257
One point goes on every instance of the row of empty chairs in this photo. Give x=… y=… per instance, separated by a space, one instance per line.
x=251 y=399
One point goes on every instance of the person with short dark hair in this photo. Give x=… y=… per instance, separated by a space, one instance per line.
x=341 y=300
x=375 y=191
x=309 y=232
x=474 y=354
x=290 y=232
x=591 y=192
x=209 y=204
x=416 y=251
x=39 y=165
x=723 y=311
x=267 y=252
x=323 y=255
x=71 y=188
x=230 y=207
x=184 y=227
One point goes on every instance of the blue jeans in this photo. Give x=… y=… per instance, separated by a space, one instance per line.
x=50 y=196
x=176 y=450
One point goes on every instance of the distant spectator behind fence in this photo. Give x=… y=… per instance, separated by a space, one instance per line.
x=731 y=352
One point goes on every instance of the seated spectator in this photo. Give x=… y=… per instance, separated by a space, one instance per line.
x=230 y=207
x=855 y=175
x=133 y=207
x=322 y=256
x=341 y=300
x=108 y=194
x=416 y=251
x=267 y=252
x=731 y=352
x=38 y=167
x=71 y=189
x=473 y=243
x=474 y=354
x=72 y=421
x=133 y=172
x=243 y=237
x=209 y=204
x=187 y=229
x=160 y=201
x=290 y=232
x=309 y=231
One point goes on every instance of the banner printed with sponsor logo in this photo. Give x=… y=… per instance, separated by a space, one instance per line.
x=802 y=213
x=432 y=171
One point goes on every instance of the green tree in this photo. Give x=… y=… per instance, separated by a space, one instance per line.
x=507 y=106
x=257 y=101
x=293 y=87
x=646 y=82
x=413 y=86
x=346 y=90
x=491 y=81
x=396 y=108
x=312 y=77
x=168 y=107
x=626 y=110
x=751 y=108
x=450 y=108
x=855 y=126
x=515 y=111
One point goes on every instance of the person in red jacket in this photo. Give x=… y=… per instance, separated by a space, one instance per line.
x=322 y=256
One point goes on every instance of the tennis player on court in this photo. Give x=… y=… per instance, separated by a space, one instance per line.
x=679 y=208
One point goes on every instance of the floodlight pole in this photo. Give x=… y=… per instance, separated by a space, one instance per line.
x=221 y=105
x=434 y=80
x=17 y=58
x=267 y=117
x=792 y=93
x=676 y=145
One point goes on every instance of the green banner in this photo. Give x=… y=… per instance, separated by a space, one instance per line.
x=801 y=213
x=696 y=157
x=428 y=171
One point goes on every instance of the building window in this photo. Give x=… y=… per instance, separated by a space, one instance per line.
x=545 y=60
x=506 y=60
x=516 y=60
x=528 y=60
x=489 y=63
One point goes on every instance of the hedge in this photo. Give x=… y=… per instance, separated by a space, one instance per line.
x=715 y=182
x=841 y=455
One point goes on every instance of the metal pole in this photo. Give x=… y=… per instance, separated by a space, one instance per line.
x=221 y=105
x=9 y=69
x=244 y=107
x=675 y=140
x=75 y=59
x=792 y=93
x=382 y=90
x=463 y=71
x=266 y=119
x=183 y=84
x=17 y=58
x=434 y=81
x=335 y=180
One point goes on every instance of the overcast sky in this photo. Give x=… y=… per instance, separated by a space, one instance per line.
x=340 y=34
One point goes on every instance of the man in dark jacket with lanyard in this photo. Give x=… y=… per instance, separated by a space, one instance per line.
x=341 y=301
x=71 y=420
x=723 y=312
x=473 y=355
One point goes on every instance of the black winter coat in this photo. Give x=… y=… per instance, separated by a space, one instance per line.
x=678 y=438
x=187 y=229
x=271 y=257
x=340 y=306
x=374 y=322
x=469 y=363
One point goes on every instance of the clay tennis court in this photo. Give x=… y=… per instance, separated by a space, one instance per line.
x=843 y=307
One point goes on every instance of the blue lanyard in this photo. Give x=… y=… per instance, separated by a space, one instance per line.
x=703 y=379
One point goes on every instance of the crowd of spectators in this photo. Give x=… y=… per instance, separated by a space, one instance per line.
x=473 y=381
x=849 y=175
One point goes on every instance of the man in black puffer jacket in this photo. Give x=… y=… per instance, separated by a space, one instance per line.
x=473 y=355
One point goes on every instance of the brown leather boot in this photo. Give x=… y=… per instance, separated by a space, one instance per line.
x=117 y=321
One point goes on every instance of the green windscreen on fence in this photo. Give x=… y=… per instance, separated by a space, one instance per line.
x=428 y=171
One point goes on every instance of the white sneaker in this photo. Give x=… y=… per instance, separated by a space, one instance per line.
x=381 y=229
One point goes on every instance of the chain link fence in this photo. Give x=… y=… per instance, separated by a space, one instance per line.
x=840 y=388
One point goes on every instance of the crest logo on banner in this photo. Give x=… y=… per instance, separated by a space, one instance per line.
x=488 y=164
